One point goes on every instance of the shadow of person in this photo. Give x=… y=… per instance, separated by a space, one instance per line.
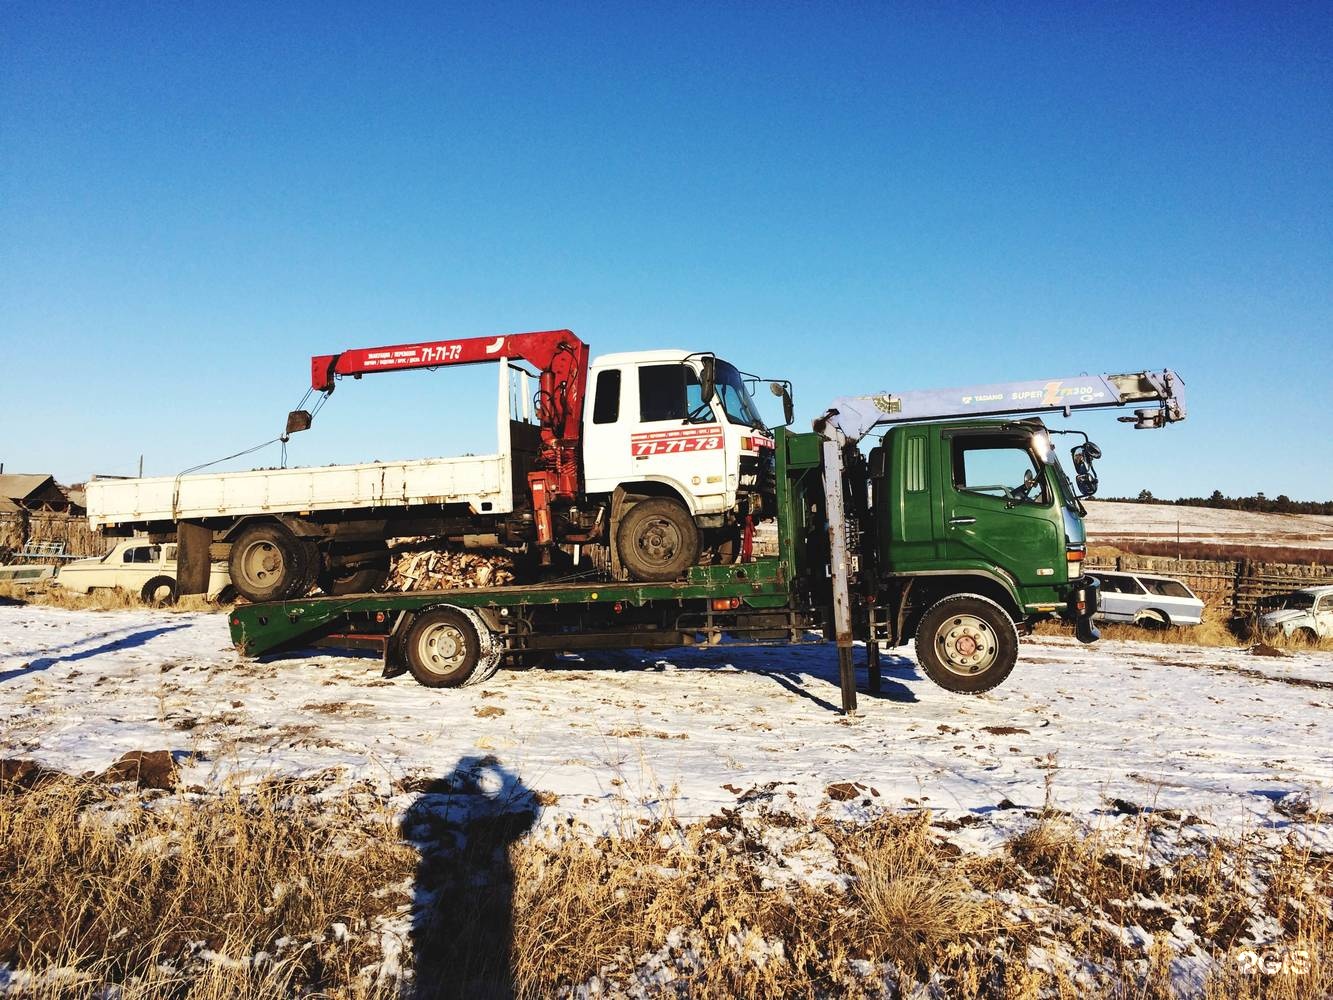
x=463 y=826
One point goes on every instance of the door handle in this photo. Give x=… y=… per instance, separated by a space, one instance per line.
x=642 y=458
x=962 y=520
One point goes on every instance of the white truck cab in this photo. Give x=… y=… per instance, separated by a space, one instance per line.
x=646 y=422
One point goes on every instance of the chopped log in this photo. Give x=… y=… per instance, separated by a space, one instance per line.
x=413 y=566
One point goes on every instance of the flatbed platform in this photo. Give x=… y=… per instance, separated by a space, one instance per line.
x=762 y=586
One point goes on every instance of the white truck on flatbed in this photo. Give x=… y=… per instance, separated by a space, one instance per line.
x=669 y=463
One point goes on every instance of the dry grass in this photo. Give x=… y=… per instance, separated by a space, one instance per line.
x=176 y=897
x=1212 y=631
x=100 y=599
x=289 y=890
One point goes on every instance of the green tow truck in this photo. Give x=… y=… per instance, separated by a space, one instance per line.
x=960 y=533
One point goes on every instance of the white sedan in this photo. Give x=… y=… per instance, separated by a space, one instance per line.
x=138 y=566
x=1146 y=600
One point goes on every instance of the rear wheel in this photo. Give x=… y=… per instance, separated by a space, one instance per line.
x=657 y=540
x=353 y=580
x=158 y=591
x=355 y=568
x=1152 y=620
x=966 y=643
x=268 y=563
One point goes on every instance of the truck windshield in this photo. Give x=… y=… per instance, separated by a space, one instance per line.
x=735 y=397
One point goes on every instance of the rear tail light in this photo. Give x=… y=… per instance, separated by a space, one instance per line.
x=726 y=603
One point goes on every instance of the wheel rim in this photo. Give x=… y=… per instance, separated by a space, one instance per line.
x=261 y=562
x=443 y=648
x=967 y=645
x=659 y=540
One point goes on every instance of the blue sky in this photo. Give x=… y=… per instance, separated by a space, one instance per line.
x=196 y=198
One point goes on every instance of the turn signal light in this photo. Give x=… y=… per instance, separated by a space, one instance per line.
x=726 y=603
x=1075 y=555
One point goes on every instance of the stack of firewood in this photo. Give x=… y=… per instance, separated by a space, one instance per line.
x=436 y=569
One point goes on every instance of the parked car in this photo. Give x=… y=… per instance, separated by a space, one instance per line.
x=1146 y=600
x=139 y=566
x=1303 y=615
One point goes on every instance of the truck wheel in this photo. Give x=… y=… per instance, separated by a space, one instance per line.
x=1305 y=637
x=267 y=563
x=442 y=648
x=353 y=580
x=313 y=563
x=158 y=591
x=966 y=643
x=657 y=540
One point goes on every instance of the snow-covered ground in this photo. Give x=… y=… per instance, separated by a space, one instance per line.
x=1109 y=521
x=1220 y=734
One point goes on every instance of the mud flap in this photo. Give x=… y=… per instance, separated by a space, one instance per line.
x=1083 y=605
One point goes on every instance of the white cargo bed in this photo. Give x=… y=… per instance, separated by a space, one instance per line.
x=484 y=482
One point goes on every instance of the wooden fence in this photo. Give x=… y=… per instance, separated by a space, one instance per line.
x=24 y=527
x=1235 y=584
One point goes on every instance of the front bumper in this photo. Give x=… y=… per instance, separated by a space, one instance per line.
x=1084 y=600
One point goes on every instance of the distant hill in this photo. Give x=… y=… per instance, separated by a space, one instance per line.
x=1112 y=522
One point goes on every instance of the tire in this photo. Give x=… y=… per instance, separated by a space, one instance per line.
x=443 y=648
x=353 y=580
x=966 y=643
x=268 y=563
x=1305 y=637
x=313 y=564
x=1152 y=620
x=657 y=540
x=158 y=591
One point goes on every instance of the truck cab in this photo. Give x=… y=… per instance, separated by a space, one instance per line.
x=982 y=499
x=969 y=514
x=650 y=433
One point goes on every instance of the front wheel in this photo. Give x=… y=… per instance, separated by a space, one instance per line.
x=1305 y=637
x=657 y=540
x=967 y=643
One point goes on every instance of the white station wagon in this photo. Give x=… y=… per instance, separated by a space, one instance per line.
x=138 y=566
x=1146 y=600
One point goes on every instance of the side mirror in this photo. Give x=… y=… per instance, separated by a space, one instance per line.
x=707 y=377
x=783 y=389
x=1085 y=476
x=298 y=420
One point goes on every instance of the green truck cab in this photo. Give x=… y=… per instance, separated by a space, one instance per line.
x=965 y=534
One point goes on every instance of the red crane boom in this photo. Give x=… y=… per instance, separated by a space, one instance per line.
x=559 y=356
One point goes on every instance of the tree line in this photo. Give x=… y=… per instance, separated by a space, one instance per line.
x=1280 y=504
